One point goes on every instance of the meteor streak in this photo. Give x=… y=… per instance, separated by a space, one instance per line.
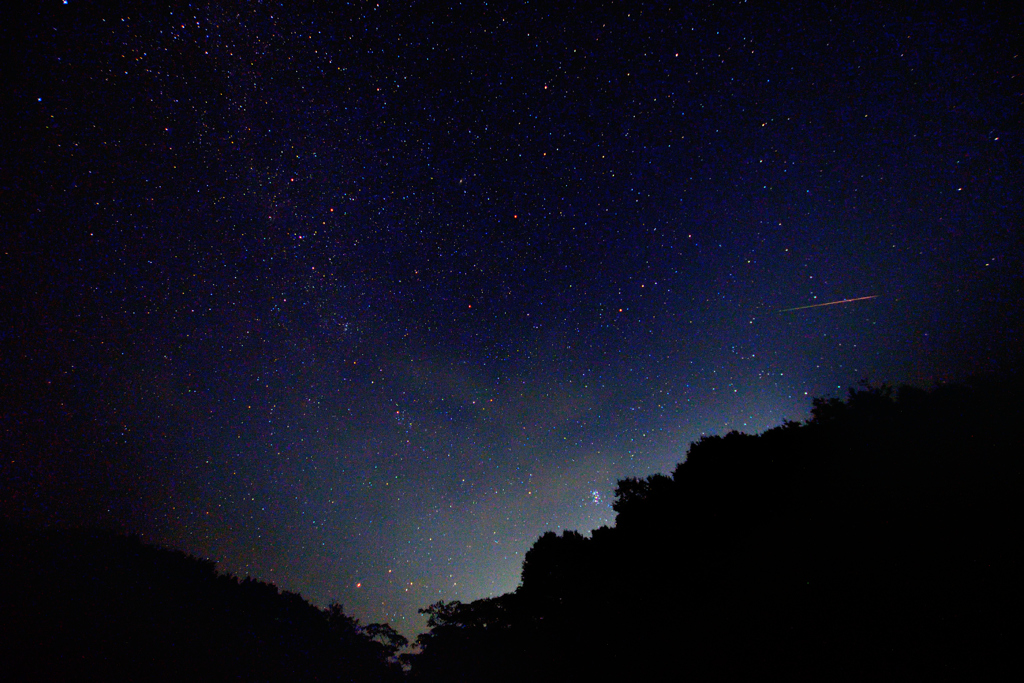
x=831 y=303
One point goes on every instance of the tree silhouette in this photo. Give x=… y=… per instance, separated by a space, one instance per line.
x=82 y=604
x=880 y=539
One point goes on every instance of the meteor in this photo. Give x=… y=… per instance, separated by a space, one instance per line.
x=831 y=303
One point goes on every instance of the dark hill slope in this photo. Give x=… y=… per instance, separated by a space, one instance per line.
x=87 y=605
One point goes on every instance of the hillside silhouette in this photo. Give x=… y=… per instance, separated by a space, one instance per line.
x=880 y=540
x=90 y=605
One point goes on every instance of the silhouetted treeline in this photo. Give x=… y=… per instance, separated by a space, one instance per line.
x=90 y=605
x=881 y=540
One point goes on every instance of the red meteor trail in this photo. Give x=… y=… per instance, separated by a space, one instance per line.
x=831 y=303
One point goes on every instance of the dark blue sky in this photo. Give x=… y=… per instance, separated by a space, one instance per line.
x=361 y=300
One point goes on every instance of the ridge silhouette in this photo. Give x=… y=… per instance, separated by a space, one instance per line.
x=92 y=605
x=880 y=540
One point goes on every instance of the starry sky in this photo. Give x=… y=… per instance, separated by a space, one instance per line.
x=362 y=298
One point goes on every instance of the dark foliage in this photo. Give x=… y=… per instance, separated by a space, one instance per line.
x=89 y=605
x=881 y=540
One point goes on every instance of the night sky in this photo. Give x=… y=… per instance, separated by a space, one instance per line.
x=361 y=299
